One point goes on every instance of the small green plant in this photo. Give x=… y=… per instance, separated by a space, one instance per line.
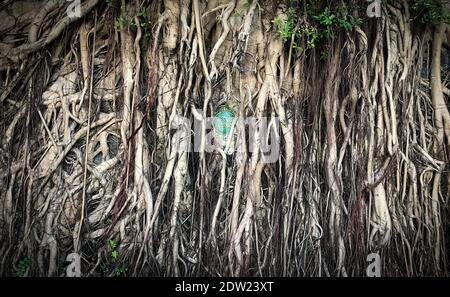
x=23 y=266
x=110 y=2
x=345 y=24
x=328 y=20
x=326 y=17
x=120 y=270
x=113 y=246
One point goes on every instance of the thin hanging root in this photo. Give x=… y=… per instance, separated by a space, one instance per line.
x=180 y=172
x=226 y=29
x=212 y=234
x=438 y=105
x=83 y=199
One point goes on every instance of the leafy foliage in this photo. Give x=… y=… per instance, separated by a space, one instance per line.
x=120 y=270
x=23 y=266
x=285 y=28
x=321 y=28
x=311 y=35
x=430 y=12
x=113 y=246
x=117 y=269
x=329 y=20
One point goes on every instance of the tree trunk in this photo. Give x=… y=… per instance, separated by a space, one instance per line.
x=336 y=141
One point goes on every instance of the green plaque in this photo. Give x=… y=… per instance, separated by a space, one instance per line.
x=223 y=120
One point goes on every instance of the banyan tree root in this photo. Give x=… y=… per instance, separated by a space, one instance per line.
x=105 y=140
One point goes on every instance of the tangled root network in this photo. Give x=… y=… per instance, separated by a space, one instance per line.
x=97 y=99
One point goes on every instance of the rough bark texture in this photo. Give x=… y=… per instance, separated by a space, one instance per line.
x=94 y=110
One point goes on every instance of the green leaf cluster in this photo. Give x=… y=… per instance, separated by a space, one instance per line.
x=118 y=269
x=320 y=28
x=329 y=20
x=430 y=12
x=23 y=266
x=113 y=246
